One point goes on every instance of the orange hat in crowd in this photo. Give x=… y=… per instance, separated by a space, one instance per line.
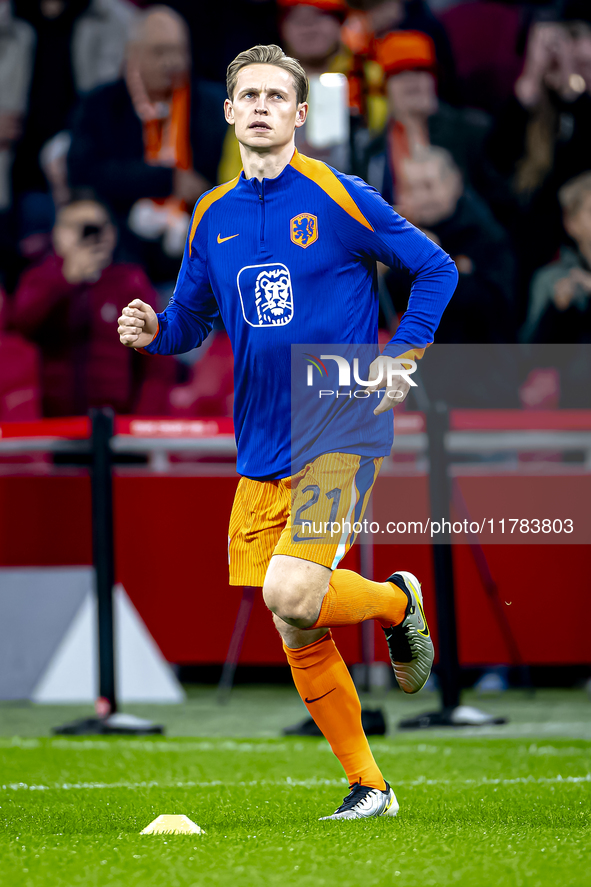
x=323 y=5
x=405 y=51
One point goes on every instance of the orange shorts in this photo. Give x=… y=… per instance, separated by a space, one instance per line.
x=310 y=515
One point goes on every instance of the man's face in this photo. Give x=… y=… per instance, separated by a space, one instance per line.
x=162 y=54
x=578 y=225
x=310 y=34
x=265 y=110
x=412 y=93
x=430 y=191
x=77 y=226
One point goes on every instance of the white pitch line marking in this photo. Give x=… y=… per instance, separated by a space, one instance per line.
x=295 y=783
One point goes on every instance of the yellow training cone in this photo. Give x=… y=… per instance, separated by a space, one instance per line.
x=168 y=824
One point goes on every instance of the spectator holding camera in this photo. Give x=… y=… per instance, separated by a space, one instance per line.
x=560 y=306
x=67 y=306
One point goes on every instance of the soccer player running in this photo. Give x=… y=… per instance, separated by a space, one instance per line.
x=286 y=253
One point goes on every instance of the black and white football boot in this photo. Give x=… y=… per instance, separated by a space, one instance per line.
x=410 y=644
x=364 y=802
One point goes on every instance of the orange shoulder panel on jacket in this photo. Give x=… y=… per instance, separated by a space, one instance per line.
x=319 y=172
x=207 y=201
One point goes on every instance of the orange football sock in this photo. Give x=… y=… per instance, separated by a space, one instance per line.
x=328 y=692
x=351 y=599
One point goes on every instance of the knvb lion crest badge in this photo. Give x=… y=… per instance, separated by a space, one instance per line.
x=272 y=297
x=266 y=294
x=304 y=230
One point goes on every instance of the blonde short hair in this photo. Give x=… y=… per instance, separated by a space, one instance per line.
x=268 y=55
x=572 y=194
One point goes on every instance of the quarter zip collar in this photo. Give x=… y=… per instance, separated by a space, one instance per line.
x=269 y=187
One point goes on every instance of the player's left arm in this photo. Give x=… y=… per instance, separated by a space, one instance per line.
x=387 y=237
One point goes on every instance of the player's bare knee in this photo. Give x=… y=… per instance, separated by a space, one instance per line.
x=290 y=602
x=295 y=638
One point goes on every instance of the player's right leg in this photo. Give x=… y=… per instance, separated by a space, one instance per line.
x=259 y=513
x=321 y=677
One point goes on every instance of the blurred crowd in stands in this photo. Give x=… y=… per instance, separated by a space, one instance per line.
x=472 y=118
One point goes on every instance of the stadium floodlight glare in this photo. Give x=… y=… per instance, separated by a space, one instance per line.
x=327 y=124
x=333 y=80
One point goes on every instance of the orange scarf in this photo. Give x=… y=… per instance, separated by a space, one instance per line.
x=166 y=140
x=399 y=150
x=166 y=126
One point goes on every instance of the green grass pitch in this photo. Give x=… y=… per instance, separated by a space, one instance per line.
x=473 y=812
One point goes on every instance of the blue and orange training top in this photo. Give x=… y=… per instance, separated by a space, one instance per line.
x=292 y=260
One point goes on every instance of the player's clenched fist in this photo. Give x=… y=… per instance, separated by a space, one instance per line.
x=137 y=325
